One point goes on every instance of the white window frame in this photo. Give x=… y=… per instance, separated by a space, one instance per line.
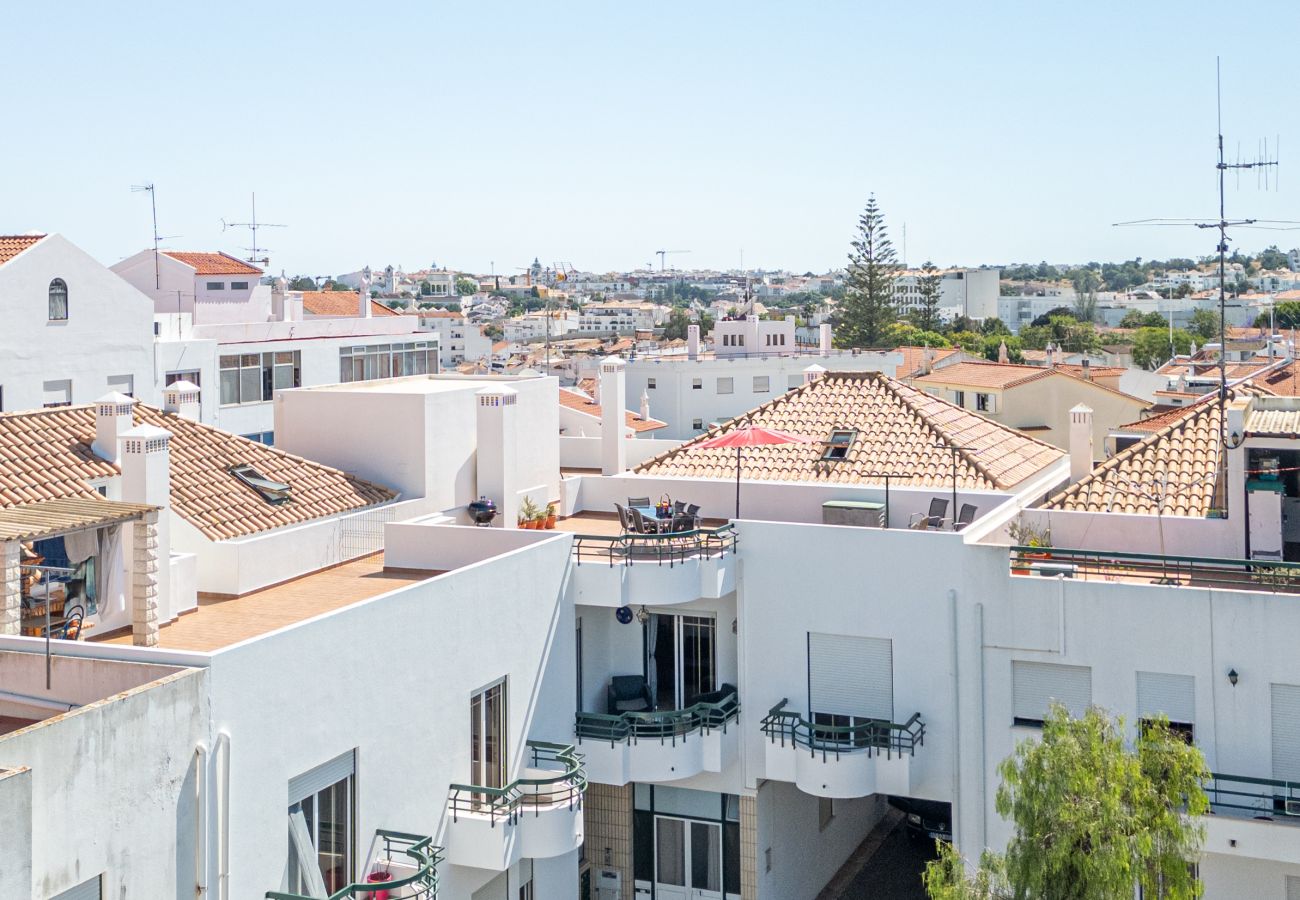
x=726 y=386
x=762 y=384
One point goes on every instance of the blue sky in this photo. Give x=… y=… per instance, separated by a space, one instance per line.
x=595 y=133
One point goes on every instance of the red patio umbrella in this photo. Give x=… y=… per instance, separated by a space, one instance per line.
x=752 y=436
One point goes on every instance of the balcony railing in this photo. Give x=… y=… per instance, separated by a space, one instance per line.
x=873 y=737
x=1188 y=571
x=506 y=804
x=419 y=853
x=667 y=726
x=1257 y=798
x=660 y=549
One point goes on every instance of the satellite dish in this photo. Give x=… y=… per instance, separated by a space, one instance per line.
x=623 y=614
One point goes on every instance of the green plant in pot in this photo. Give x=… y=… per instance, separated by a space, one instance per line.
x=1027 y=534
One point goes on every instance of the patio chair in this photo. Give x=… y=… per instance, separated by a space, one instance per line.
x=682 y=523
x=966 y=516
x=625 y=518
x=932 y=519
x=679 y=507
x=693 y=510
x=642 y=525
x=638 y=501
x=628 y=693
x=70 y=630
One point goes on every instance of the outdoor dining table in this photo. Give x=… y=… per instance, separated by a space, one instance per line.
x=651 y=514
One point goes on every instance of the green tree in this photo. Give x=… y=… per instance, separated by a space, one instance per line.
x=1092 y=817
x=678 y=322
x=1153 y=347
x=993 y=345
x=970 y=341
x=1272 y=258
x=1204 y=325
x=1054 y=312
x=1286 y=315
x=1135 y=318
x=868 y=305
x=302 y=283
x=905 y=334
x=926 y=315
x=994 y=325
x=1085 y=307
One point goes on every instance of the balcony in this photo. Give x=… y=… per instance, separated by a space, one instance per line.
x=615 y=569
x=536 y=816
x=659 y=746
x=1249 y=817
x=406 y=866
x=842 y=761
x=1272 y=576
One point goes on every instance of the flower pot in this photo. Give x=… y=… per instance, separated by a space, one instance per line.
x=550 y=521
x=378 y=878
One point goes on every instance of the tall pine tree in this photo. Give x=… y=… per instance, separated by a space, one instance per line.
x=868 y=305
x=926 y=316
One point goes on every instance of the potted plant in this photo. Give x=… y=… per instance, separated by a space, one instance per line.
x=528 y=513
x=1026 y=534
x=550 y=515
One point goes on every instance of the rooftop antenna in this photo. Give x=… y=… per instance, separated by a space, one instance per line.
x=153 y=208
x=1265 y=165
x=252 y=226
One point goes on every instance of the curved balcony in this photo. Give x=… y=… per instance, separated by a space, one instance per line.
x=1253 y=817
x=662 y=569
x=405 y=866
x=538 y=815
x=842 y=761
x=660 y=746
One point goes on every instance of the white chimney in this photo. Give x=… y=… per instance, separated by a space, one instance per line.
x=692 y=341
x=146 y=478
x=291 y=307
x=813 y=373
x=1003 y=356
x=824 y=338
x=1087 y=369
x=181 y=398
x=112 y=417
x=497 y=470
x=645 y=406
x=365 y=311
x=1080 y=442
x=613 y=416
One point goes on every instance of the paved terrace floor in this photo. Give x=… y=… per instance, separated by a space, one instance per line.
x=219 y=623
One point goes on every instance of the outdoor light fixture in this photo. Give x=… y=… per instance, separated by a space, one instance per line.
x=642 y=615
x=1232 y=677
x=1234 y=440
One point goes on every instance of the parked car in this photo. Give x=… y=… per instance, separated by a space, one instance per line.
x=928 y=819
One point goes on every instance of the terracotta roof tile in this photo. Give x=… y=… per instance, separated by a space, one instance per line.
x=585 y=405
x=340 y=303
x=899 y=430
x=985 y=374
x=13 y=244
x=45 y=455
x=213 y=263
x=914 y=359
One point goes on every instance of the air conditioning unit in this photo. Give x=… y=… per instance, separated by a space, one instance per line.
x=1291 y=807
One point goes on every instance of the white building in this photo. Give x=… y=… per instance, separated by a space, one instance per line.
x=459 y=340
x=533 y=326
x=750 y=336
x=962 y=292
x=621 y=317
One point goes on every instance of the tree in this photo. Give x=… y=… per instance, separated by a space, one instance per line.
x=1085 y=307
x=1272 y=258
x=678 y=322
x=302 y=283
x=926 y=315
x=994 y=325
x=1204 y=325
x=1055 y=311
x=1092 y=817
x=993 y=346
x=1153 y=347
x=1135 y=318
x=466 y=286
x=868 y=305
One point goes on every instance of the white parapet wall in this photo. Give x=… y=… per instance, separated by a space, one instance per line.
x=442 y=547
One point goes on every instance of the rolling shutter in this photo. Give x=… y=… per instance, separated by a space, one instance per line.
x=851 y=676
x=1171 y=695
x=1293 y=887
x=321 y=777
x=1036 y=685
x=87 y=890
x=1286 y=732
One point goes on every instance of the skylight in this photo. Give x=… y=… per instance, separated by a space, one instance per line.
x=837 y=447
x=270 y=491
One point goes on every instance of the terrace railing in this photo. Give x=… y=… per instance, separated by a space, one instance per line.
x=875 y=736
x=537 y=793
x=1188 y=571
x=419 y=852
x=659 y=549
x=1258 y=798
x=666 y=726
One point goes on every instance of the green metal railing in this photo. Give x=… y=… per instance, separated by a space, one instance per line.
x=1188 y=571
x=666 y=726
x=875 y=736
x=419 y=852
x=1259 y=798
x=506 y=804
x=671 y=548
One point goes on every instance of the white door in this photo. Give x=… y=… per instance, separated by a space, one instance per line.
x=688 y=859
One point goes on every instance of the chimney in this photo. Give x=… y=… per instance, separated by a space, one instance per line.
x=613 y=416
x=497 y=472
x=1003 y=356
x=145 y=453
x=291 y=307
x=645 y=406
x=365 y=310
x=927 y=360
x=1080 y=442
x=1087 y=369
x=112 y=418
x=1051 y=355
x=824 y=338
x=813 y=373
x=692 y=341
x=181 y=398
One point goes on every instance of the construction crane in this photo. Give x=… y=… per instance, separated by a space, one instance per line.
x=663 y=253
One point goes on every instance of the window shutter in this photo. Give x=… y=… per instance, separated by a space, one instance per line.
x=1035 y=685
x=851 y=676
x=87 y=890
x=1293 y=887
x=1286 y=732
x=1172 y=695
x=321 y=777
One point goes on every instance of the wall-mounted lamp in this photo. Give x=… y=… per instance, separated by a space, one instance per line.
x=1232 y=677
x=733 y=626
x=1234 y=440
x=643 y=615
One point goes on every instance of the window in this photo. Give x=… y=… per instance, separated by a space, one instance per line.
x=1286 y=731
x=982 y=403
x=850 y=678
x=697 y=384
x=1171 y=696
x=794 y=381
x=1036 y=686
x=959 y=398
x=270 y=491
x=192 y=376
x=216 y=285
x=838 y=446
x=58 y=300
x=697 y=424
x=87 y=890
x=239 y=285
x=825 y=812
x=726 y=385
x=650 y=384
x=123 y=384
x=255 y=377
x=487 y=727
x=760 y=384
x=322 y=827
x=57 y=393
x=262 y=437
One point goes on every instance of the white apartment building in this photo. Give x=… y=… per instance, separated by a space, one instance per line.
x=621 y=317
x=459 y=340
x=751 y=336
x=533 y=326
x=969 y=292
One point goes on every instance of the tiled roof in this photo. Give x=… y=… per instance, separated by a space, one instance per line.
x=899 y=430
x=13 y=244
x=1265 y=421
x=340 y=303
x=213 y=263
x=1283 y=381
x=584 y=404
x=985 y=374
x=914 y=359
x=45 y=454
x=1094 y=371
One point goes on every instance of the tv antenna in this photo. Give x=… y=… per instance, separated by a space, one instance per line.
x=157 y=238
x=1265 y=165
x=252 y=226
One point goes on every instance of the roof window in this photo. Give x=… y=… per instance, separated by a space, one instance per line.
x=270 y=491
x=837 y=447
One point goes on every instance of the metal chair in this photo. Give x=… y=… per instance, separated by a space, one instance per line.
x=679 y=507
x=642 y=525
x=932 y=519
x=638 y=501
x=682 y=523
x=624 y=517
x=693 y=510
x=628 y=693
x=70 y=630
x=966 y=516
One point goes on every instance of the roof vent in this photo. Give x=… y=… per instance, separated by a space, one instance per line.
x=271 y=491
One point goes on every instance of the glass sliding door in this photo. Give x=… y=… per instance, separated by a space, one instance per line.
x=670 y=859
x=487 y=730
x=322 y=839
x=681 y=659
x=688 y=859
x=698 y=658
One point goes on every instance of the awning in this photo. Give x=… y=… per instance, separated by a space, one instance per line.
x=51 y=518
